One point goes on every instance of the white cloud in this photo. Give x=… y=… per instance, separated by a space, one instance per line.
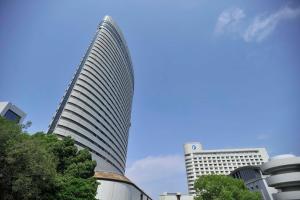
x=158 y=174
x=262 y=26
x=233 y=21
x=262 y=136
x=229 y=20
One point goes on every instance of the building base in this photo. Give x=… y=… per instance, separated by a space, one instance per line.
x=118 y=187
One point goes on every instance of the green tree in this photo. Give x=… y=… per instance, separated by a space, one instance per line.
x=41 y=166
x=30 y=170
x=75 y=169
x=220 y=187
x=8 y=130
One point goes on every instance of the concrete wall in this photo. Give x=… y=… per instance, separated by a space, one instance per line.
x=111 y=190
x=284 y=174
x=176 y=197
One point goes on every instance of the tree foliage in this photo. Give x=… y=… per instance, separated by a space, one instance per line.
x=41 y=166
x=219 y=187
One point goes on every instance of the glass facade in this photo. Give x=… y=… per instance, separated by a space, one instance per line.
x=11 y=115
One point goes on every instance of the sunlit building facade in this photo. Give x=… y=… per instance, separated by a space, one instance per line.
x=201 y=162
x=96 y=107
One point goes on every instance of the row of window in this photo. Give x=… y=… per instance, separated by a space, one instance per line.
x=103 y=96
x=108 y=136
x=110 y=28
x=99 y=89
x=92 y=94
x=92 y=57
x=225 y=157
x=97 y=97
x=224 y=161
x=91 y=150
x=226 y=152
x=228 y=164
x=92 y=73
x=90 y=140
x=214 y=167
x=125 y=89
x=93 y=66
x=220 y=172
x=118 y=54
x=98 y=154
x=89 y=105
x=123 y=97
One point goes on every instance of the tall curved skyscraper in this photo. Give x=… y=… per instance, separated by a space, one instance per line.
x=96 y=108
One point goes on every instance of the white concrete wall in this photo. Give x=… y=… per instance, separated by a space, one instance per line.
x=192 y=147
x=3 y=107
x=110 y=190
x=174 y=197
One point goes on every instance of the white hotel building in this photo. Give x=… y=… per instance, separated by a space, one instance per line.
x=200 y=162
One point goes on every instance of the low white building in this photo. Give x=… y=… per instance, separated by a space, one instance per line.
x=201 y=162
x=11 y=112
x=175 y=196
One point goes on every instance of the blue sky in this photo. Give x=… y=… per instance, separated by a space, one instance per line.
x=224 y=73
